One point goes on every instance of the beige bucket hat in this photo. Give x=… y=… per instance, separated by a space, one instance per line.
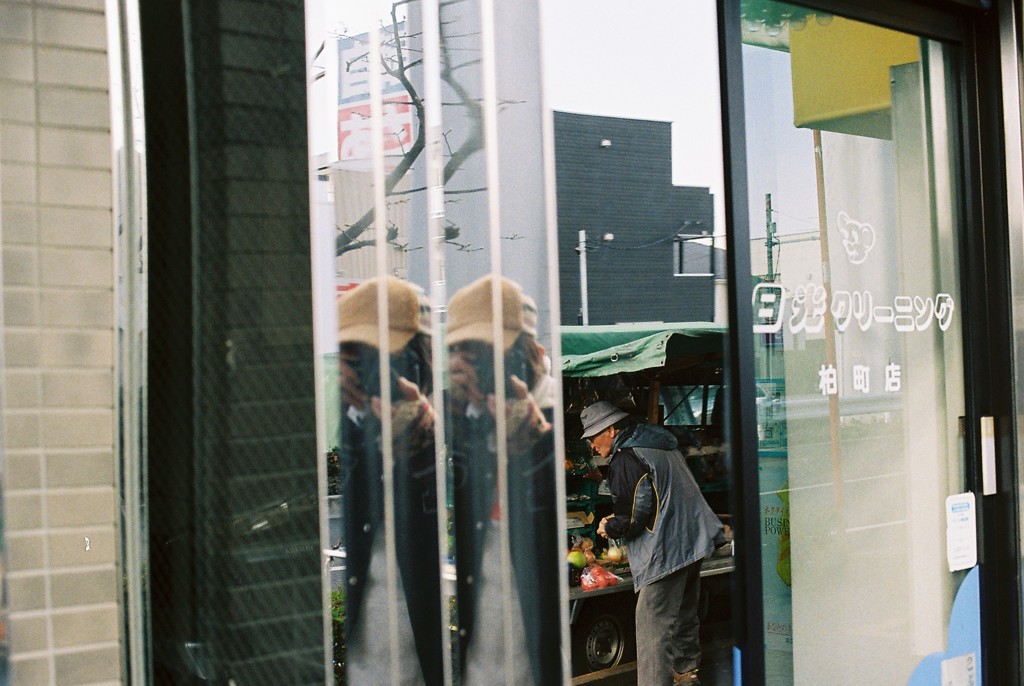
x=357 y=314
x=469 y=312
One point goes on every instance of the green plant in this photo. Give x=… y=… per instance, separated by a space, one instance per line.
x=338 y=634
x=333 y=472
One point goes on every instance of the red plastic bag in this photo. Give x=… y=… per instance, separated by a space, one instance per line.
x=595 y=576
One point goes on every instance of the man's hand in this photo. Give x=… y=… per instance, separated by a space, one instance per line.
x=600 y=527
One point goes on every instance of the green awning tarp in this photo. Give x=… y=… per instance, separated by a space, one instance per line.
x=615 y=348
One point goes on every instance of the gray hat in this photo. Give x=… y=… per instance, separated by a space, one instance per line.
x=599 y=416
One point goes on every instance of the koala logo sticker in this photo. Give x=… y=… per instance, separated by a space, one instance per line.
x=858 y=239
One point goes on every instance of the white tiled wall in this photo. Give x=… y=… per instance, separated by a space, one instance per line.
x=60 y=507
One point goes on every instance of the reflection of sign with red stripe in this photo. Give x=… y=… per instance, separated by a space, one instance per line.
x=355 y=132
x=346 y=287
x=353 y=62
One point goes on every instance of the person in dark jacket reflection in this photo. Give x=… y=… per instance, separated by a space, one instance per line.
x=419 y=628
x=527 y=572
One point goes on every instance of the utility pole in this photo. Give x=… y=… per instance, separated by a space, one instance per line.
x=770 y=240
x=582 y=250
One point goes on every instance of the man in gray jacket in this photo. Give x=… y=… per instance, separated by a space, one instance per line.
x=668 y=527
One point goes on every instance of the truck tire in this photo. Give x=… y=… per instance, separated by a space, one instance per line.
x=603 y=636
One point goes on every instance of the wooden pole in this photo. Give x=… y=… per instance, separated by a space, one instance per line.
x=830 y=330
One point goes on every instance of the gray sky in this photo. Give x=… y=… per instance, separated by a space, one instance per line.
x=656 y=59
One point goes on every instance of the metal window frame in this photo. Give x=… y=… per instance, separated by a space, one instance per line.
x=131 y=312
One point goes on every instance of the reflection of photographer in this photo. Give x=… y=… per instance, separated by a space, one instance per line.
x=405 y=336
x=529 y=496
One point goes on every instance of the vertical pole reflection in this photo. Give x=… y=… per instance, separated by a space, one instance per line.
x=438 y=294
x=128 y=139
x=495 y=512
x=394 y=579
x=490 y=128
x=387 y=457
x=388 y=461
x=380 y=229
x=506 y=534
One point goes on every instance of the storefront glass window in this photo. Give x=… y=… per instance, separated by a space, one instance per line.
x=853 y=202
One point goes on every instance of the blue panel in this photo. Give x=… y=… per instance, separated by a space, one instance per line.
x=737 y=667
x=964 y=635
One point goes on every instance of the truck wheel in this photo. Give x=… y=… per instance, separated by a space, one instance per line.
x=601 y=639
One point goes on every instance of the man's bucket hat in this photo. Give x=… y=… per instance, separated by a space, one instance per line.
x=599 y=416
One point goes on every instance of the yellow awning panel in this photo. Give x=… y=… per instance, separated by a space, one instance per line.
x=841 y=75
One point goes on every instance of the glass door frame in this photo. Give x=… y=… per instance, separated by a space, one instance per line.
x=985 y=248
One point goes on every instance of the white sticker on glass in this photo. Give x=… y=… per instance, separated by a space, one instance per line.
x=893 y=378
x=857 y=238
x=769 y=302
x=862 y=378
x=828 y=380
x=960 y=671
x=961 y=532
x=808 y=304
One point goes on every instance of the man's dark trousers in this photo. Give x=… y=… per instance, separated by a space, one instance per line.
x=667 y=627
